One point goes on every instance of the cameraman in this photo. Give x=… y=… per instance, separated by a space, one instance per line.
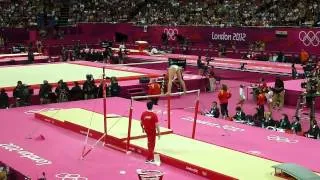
x=89 y=87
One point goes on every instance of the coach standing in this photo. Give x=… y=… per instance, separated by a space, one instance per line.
x=149 y=124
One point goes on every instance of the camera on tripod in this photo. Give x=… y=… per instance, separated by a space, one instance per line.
x=311 y=83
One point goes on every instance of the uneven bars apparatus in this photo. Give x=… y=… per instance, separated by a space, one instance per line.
x=169 y=110
x=104 y=136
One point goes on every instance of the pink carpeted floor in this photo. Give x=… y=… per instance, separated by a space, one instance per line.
x=63 y=149
x=282 y=147
x=65 y=145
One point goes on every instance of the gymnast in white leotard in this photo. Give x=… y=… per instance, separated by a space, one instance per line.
x=175 y=70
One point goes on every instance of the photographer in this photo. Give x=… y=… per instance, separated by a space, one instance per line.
x=44 y=92
x=89 y=87
x=311 y=84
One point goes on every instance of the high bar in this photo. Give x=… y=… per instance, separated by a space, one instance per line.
x=165 y=95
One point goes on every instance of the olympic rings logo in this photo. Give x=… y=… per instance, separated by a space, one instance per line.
x=34 y=111
x=280 y=139
x=171 y=33
x=68 y=176
x=310 y=38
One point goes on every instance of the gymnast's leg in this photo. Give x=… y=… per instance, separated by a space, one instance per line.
x=171 y=73
x=182 y=83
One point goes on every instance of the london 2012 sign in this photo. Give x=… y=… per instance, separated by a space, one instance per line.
x=228 y=36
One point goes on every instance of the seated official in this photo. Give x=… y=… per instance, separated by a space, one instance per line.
x=240 y=116
x=89 y=87
x=100 y=90
x=62 y=91
x=114 y=87
x=258 y=117
x=21 y=94
x=314 y=130
x=4 y=99
x=214 y=111
x=268 y=120
x=154 y=88
x=44 y=92
x=284 y=122
x=76 y=92
x=250 y=121
x=296 y=126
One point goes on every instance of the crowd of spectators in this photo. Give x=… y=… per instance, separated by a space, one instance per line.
x=101 y=11
x=229 y=13
x=20 y=13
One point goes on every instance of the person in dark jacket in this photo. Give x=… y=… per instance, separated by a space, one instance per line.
x=89 y=87
x=76 y=92
x=44 y=92
x=240 y=116
x=314 y=130
x=268 y=121
x=4 y=99
x=21 y=94
x=214 y=111
x=114 y=87
x=284 y=122
x=296 y=126
x=62 y=91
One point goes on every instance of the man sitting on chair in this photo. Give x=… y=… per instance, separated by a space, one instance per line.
x=175 y=70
